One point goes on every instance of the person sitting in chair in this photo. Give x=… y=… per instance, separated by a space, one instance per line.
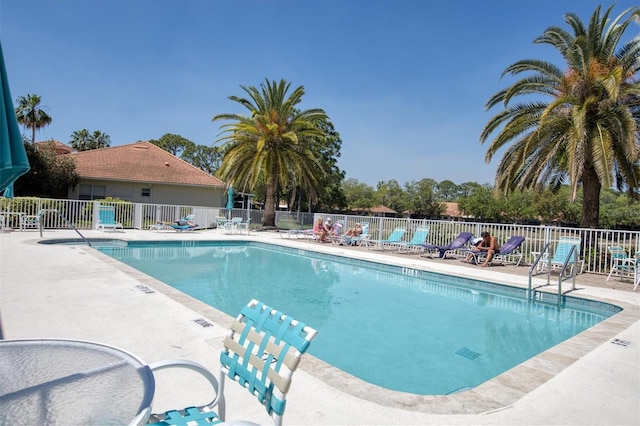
x=319 y=231
x=328 y=227
x=488 y=244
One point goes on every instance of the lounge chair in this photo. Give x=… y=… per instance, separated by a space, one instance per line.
x=337 y=232
x=561 y=254
x=261 y=352
x=360 y=240
x=622 y=264
x=160 y=225
x=185 y=224
x=509 y=250
x=394 y=238
x=458 y=243
x=106 y=218
x=417 y=240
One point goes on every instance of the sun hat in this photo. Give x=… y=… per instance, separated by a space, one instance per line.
x=328 y=219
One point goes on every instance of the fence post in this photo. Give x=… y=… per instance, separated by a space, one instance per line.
x=95 y=218
x=137 y=216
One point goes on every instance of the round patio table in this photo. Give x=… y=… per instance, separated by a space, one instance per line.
x=72 y=382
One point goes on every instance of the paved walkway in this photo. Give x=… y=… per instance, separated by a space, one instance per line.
x=68 y=291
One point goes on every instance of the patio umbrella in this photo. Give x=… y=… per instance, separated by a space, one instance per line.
x=8 y=191
x=13 y=157
x=229 y=201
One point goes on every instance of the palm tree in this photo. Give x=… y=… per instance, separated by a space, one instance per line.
x=31 y=115
x=80 y=140
x=579 y=124
x=271 y=145
x=100 y=140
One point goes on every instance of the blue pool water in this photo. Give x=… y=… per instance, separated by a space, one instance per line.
x=399 y=328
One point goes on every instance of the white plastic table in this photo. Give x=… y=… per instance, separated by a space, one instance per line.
x=71 y=382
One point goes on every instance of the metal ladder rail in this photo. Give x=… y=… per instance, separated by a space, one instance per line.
x=534 y=265
x=574 y=271
x=561 y=276
x=71 y=225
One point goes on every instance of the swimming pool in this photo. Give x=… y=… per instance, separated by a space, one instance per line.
x=468 y=331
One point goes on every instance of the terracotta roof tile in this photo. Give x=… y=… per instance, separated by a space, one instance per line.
x=381 y=209
x=59 y=147
x=452 y=210
x=140 y=162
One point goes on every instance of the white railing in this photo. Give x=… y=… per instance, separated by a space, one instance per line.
x=141 y=216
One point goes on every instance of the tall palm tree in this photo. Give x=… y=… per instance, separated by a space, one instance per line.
x=31 y=115
x=579 y=124
x=80 y=140
x=100 y=140
x=269 y=146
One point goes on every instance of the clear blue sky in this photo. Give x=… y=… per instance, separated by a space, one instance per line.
x=403 y=81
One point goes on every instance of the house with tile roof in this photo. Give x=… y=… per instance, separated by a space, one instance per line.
x=58 y=147
x=144 y=173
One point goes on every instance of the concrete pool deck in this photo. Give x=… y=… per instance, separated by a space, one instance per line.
x=66 y=291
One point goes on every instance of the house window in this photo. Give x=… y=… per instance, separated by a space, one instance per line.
x=146 y=192
x=92 y=192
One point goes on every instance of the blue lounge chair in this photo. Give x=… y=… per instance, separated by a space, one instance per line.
x=160 y=225
x=107 y=218
x=394 y=238
x=185 y=224
x=509 y=250
x=261 y=352
x=456 y=244
x=416 y=242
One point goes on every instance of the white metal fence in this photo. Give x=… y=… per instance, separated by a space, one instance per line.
x=140 y=216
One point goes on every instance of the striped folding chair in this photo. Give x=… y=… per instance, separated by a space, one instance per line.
x=261 y=352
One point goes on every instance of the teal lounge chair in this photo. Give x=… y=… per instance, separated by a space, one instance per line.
x=261 y=352
x=106 y=218
x=393 y=239
x=561 y=254
x=419 y=238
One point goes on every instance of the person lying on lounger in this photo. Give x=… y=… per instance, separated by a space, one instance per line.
x=355 y=231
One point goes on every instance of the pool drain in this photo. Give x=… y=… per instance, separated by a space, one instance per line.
x=467 y=353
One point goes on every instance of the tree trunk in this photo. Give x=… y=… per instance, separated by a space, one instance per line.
x=269 y=218
x=591 y=198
